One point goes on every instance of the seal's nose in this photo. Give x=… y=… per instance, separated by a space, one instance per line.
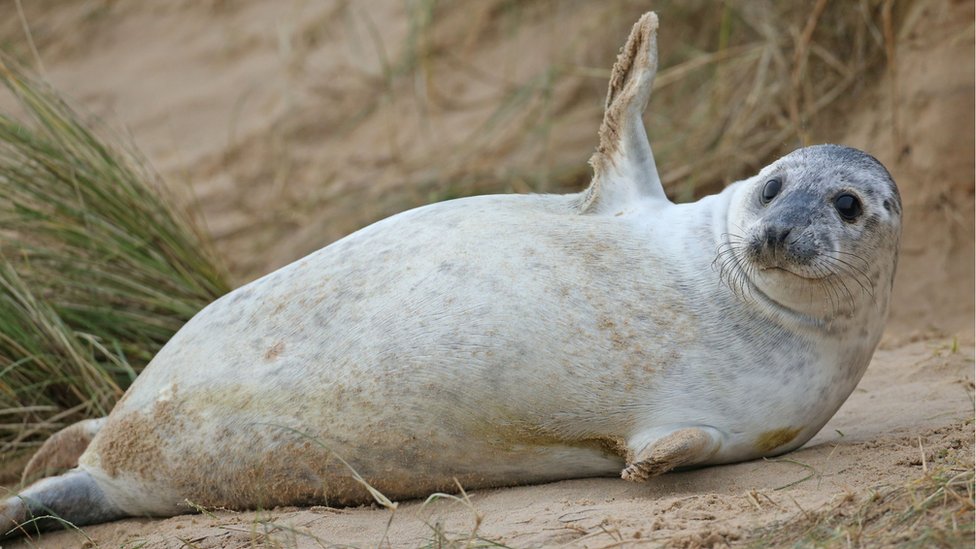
x=776 y=235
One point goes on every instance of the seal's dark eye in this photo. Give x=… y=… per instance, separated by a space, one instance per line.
x=770 y=191
x=848 y=206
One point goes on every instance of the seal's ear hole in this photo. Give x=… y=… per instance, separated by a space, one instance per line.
x=848 y=206
x=770 y=190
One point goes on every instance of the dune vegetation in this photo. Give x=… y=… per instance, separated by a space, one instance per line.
x=99 y=266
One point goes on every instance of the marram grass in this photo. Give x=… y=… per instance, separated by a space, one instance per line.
x=98 y=266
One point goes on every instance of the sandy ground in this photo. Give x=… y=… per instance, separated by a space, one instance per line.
x=915 y=398
x=250 y=102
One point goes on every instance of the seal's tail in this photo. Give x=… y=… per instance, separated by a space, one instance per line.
x=71 y=499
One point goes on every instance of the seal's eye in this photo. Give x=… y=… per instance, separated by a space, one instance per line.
x=770 y=191
x=848 y=206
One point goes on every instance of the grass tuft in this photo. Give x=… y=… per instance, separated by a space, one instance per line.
x=98 y=266
x=935 y=510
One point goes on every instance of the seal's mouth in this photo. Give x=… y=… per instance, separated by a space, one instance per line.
x=801 y=273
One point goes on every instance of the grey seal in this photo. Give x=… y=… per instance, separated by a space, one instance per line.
x=504 y=340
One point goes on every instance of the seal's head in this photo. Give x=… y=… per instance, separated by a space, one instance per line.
x=816 y=233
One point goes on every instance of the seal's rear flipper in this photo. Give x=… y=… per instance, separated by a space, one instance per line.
x=73 y=498
x=60 y=452
x=623 y=165
x=686 y=446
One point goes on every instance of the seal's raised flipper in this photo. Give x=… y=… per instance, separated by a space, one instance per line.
x=682 y=447
x=60 y=452
x=73 y=497
x=623 y=165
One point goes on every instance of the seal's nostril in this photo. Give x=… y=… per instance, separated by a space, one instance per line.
x=783 y=233
x=776 y=235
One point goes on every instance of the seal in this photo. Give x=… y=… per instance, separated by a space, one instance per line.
x=512 y=339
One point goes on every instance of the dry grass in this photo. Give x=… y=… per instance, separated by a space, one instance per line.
x=934 y=510
x=502 y=96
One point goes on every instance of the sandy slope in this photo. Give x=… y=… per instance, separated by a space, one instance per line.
x=225 y=95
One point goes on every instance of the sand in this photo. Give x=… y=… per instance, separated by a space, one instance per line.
x=246 y=107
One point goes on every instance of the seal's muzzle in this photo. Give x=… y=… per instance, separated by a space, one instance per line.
x=784 y=236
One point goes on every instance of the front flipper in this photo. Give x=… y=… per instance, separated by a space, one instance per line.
x=682 y=447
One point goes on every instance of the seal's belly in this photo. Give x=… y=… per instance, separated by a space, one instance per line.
x=222 y=448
